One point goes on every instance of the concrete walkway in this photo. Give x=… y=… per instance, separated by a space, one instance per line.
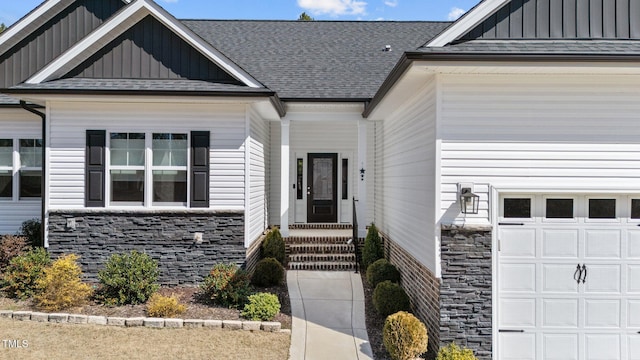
x=328 y=322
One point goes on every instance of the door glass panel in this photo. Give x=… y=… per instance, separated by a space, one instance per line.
x=635 y=208
x=602 y=208
x=559 y=209
x=517 y=208
x=345 y=179
x=322 y=179
x=299 y=173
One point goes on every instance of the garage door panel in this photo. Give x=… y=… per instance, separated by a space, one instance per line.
x=517 y=313
x=633 y=346
x=558 y=278
x=602 y=313
x=560 y=346
x=517 y=346
x=560 y=243
x=518 y=277
x=633 y=314
x=633 y=278
x=602 y=279
x=602 y=346
x=633 y=244
x=560 y=313
x=518 y=243
x=602 y=244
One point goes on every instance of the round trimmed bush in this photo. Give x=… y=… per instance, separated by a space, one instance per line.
x=165 y=306
x=372 y=250
x=382 y=270
x=389 y=298
x=60 y=287
x=453 y=352
x=226 y=285
x=129 y=278
x=273 y=246
x=261 y=307
x=268 y=272
x=404 y=336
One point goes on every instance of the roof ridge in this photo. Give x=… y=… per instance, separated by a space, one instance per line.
x=324 y=21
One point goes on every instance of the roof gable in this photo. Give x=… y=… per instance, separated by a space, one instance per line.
x=78 y=58
x=46 y=33
x=567 y=19
x=150 y=50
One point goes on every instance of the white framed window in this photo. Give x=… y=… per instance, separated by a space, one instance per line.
x=20 y=169
x=148 y=169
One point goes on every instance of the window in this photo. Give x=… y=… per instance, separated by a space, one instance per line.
x=20 y=168
x=602 y=208
x=127 y=168
x=559 y=209
x=345 y=179
x=517 y=208
x=299 y=183
x=169 y=169
x=635 y=208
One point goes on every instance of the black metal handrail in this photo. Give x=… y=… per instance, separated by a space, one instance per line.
x=355 y=235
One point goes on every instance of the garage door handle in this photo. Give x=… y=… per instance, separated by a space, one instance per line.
x=516 y=224
x=584 y=269
x=577 y=274
x=516 y=331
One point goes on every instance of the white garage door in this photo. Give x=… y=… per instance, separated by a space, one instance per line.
x=569 y=277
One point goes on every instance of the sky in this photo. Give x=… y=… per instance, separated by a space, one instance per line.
x=371 y=10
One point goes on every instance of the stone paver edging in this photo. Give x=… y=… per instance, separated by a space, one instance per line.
x=60 y=318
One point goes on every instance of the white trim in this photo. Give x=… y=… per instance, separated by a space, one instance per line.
x=494 y=195
x=467 y=22
x=247 y=177
x=120 y=23
x=285 y=128
x=438 y=179
x=362 y=205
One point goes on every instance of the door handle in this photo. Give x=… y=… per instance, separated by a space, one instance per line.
x=584 y=270
x=577 y=274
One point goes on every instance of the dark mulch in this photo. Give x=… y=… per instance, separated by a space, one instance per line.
x=374 y=322
x=187 y=295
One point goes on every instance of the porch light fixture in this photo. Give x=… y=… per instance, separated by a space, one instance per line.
x=468 y=201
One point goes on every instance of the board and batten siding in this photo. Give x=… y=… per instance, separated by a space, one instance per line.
x=405 y=178
x=18 y=124
x=259 y=147
x=547 y=132
x=69 y=121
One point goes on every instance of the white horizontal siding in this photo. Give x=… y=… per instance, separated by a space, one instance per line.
x=17 y=124
x=538 y=132
x=258 y=167
x=405 y=176
x=69 y=122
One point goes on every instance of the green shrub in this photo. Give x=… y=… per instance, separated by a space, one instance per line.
x=389 y=298
x=226 y=285
x=273 y=246
x=261 y=307
x=268 y=272
x=372 y=250
x=165 y=306
x=404 y=336
x=60 y=287
x=129 y=278
x=30 y=229
x=10 y=247
x=19 y=278
x=382 y=270
x=453 y=352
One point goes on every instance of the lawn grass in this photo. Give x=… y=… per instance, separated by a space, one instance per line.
x=67 y=341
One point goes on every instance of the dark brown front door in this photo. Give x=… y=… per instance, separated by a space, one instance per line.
x=322 y=186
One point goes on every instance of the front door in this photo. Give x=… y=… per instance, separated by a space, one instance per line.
x=322 y=188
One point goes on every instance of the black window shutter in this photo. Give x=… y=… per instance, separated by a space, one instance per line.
x=95 y=168
x=200 y=169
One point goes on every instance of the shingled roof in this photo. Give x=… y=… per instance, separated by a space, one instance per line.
x=323 y=60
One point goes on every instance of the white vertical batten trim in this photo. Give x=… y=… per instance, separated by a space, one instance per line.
x=362 y=182
x=22 y=24
x=493 y=197
x=284 y=177
x=45 y=175
x=438 y=178
x=247 y=177
x=467 y=22
x=114 y=27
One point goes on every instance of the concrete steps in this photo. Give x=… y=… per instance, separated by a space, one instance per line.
x=320 y=247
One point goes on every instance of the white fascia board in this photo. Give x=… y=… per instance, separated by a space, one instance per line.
x=120 y=23
x=28 y=20
x=467 y=22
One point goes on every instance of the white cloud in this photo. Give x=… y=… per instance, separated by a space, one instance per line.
x=455 y=13
x=334 y=7
x=391 y=3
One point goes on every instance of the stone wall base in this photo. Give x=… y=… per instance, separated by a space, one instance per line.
x=168 y=237
x=422 y=287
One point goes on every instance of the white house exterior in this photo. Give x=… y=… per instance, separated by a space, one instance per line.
x=182 y=139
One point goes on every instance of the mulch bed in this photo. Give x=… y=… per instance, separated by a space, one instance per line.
x=187 y=296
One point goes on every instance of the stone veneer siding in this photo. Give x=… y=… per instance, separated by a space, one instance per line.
x=422 y=287
x=466 y=289
x=167 y=236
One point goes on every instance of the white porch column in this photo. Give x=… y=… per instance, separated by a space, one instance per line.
x=362 y=180
x=284 y=177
